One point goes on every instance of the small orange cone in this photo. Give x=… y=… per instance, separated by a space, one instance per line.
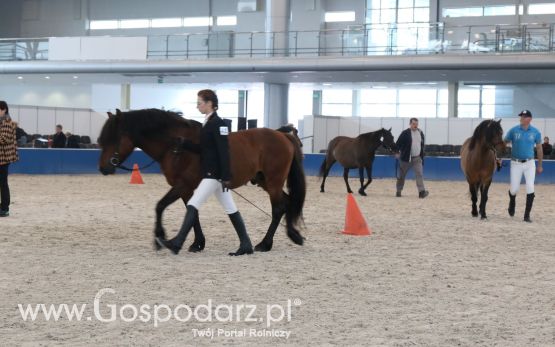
x=354 y=221
x=136 y=175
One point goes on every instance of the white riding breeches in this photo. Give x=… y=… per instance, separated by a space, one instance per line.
x=528 y=169
x=208 y=187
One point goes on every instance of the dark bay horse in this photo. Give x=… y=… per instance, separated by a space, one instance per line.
x=266 y=157
x=479 y=160
x=358 y=152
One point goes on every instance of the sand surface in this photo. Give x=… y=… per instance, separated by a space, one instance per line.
x=429 y=274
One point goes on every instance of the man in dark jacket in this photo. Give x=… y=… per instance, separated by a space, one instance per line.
x=547 y=148
x=411 y=147
x=59 y=139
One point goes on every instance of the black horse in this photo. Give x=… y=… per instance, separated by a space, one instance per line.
x=358 y=152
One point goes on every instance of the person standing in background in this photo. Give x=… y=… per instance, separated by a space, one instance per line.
x=59 y=139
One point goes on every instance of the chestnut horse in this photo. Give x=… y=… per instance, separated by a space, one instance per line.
x=354 y=153
x=263 y=156
x=479 y=159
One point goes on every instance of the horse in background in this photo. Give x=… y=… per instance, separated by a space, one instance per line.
x=479 y=160
x=358 y=152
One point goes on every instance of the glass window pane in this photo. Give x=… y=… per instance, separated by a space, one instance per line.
x=504 y=111
x=340 y=96
x=417 y=110
x=421 y=3
x=342 y=110
x=378 y=110
x=226 y=96
x=134 y=23
x=197 y=21
x=406 y=3
x=166 y=22
x=469 y=96
x=442 y=111
x=255 y=106
x=488 y=95
x=504 y=96
x=509 y=10
x=375 y=4
x=417 y=96
x=103 y=24
x=488 y=111
x=469 y=111
x=298 y=105
x=541 y=8
x=422 y=14
x=405 y=15
x=344 y=16
x=388 y=16
x=374 y=96
x=463 y=12
x=389 y=4
x=443 y=96
x=226 y=20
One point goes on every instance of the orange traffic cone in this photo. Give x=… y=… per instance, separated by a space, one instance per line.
x=136 y=175
x=354 y=221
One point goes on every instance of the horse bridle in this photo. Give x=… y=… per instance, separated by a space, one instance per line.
x=115 y=161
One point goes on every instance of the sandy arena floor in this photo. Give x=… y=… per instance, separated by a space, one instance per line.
x=429 y=274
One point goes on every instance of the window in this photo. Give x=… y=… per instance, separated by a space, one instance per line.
x=485 y=101
x=134 y=23
x=197 y=21
x=226 y=20
x=387 y=11
x=509 y=10
x=337 y=102
x=166 y=23
x=300 y=103
x=548 y=8
x=339 y=16
x=463 y=12
x=103 y=24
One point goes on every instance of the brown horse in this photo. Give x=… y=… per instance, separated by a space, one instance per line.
x=266 y=157
x=479 y=159
x=354 y=153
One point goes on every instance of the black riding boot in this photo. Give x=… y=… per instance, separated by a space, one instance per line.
x=245 y=246
x=176 y=243
x=512 y=204
x=529 y=203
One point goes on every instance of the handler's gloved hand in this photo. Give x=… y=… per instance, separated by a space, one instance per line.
x=226 y=184
x=499 y=164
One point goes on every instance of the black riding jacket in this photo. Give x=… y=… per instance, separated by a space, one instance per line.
x=404 y=144
x=213 y=149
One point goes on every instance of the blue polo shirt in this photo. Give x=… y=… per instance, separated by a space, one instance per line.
x=523 y=141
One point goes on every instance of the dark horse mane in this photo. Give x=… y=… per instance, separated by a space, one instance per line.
x=143 y=124
x=373 y=133
x=487 y=129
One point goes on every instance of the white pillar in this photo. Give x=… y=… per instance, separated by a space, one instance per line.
x=277 y=26
x=275 y=104
x=453 y=99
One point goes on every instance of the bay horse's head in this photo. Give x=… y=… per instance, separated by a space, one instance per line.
x=387 y=140
x=490 y=133
x=116 y=145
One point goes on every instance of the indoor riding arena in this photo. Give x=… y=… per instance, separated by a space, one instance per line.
x=107 y=123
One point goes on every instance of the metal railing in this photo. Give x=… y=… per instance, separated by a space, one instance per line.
x=367 y=40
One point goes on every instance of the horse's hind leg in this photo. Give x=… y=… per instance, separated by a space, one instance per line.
x=329 y=164
x=361 y=175
x=474 y=197
x=278 y=210
x=484 y=199
x=369 y=173
x=346 y=178
x=171 y=196
x=199 y=242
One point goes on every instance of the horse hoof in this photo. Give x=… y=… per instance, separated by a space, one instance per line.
x=361 y=192
x=322 y=190
x=157 y=247
x=474 y=214
x=263 y=247
x=296 y=237
x=242 y=251
x=196 y=247
x=483 y=217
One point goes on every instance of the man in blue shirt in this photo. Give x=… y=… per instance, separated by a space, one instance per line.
x=524 y=138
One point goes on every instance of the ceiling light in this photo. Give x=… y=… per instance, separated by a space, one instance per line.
x=19 y=77
x=75 y=77
x=47 y=77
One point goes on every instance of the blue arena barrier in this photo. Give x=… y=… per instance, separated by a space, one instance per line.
x=85 y=161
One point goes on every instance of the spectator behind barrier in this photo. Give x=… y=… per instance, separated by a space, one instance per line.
x=547 y=148
x=20 y=135
x=59 y=139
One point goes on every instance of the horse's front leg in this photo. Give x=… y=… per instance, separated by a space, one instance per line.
x=361 y=175
x=171 y=196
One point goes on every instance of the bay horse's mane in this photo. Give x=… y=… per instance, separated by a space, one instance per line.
x=372 y=133
x=143 y=124
x=485 y=130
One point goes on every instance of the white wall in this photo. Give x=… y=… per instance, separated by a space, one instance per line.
x=76 y=96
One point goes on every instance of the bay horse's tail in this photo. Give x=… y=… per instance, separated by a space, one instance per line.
x=296 y=185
